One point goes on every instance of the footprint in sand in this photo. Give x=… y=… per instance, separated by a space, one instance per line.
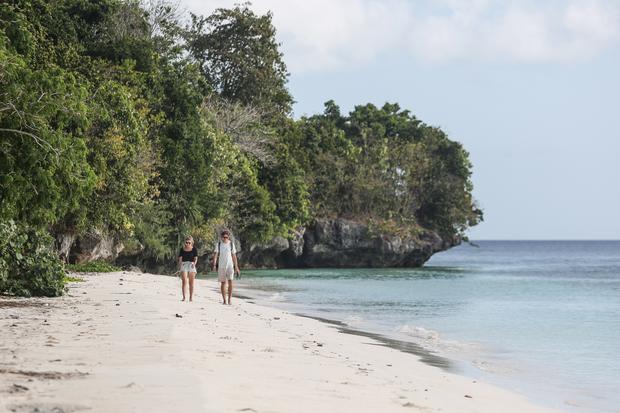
x=133 y=386
x=47 y=407
x=17 y=388
x=417 y=406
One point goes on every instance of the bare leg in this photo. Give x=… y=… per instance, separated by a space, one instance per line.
x=183 y=283
x=230 y=288
x=223 y=289
x=192 y=276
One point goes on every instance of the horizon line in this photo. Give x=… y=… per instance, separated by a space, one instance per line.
x=544 y=239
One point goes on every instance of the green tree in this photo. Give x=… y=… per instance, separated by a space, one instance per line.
x=383 y=163
x=44 y=171
x=287 y=186
x=239 y=56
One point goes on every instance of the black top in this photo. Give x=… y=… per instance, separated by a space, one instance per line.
x=188 y=255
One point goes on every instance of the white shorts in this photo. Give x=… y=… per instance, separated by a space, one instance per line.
x=225 y=273
x=188 y=266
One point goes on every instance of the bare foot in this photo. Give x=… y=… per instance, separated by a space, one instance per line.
x=183 y=299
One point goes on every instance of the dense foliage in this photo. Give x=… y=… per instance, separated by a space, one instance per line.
x=116 y=116
x=385 y=164
x=28 y=264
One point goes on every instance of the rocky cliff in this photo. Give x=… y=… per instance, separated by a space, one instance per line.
x=345 y=243
x=323 y=243
x=92 y=246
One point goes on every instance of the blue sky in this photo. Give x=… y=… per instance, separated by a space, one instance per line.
x=531 y=88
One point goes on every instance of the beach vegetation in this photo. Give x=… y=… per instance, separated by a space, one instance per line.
x=29 y=266
x=93 y=266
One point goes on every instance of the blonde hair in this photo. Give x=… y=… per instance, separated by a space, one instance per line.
x=189 y=238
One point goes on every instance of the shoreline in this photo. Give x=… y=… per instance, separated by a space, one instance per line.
x=124 y=342
x=424 y=355
x=461 y=364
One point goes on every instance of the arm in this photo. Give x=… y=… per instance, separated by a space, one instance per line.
x=234 y=257
x=214 y=260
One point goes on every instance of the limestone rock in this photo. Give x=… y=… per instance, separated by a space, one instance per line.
x=95 y=246
x=64 y=242
x=345 y=243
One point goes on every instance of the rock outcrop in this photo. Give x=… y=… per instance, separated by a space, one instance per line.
x=280 y=252
x=324 y=243
x=345 y=243
x=90 y=247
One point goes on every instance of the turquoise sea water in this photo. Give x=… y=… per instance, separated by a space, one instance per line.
x=538 y=317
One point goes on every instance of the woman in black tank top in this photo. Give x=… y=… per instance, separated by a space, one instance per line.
x=188 y=257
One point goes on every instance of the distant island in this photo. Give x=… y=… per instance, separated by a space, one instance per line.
x=124 y=127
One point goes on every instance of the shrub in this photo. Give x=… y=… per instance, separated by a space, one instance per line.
x=28 y=265
x=93 y=266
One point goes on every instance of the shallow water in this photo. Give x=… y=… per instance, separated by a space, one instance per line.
x=538 y=317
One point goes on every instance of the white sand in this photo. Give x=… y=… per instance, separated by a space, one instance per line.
x=117 y=346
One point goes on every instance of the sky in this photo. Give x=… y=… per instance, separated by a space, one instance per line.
x=530 y=88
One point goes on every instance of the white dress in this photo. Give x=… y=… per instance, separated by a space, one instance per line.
x=225 y=267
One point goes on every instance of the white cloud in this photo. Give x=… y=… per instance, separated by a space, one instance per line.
x=523 y=31
x=321 y=35
x=325 y=34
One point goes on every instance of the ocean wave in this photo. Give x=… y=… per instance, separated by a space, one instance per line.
x=353 y=320
x=505 y=367
x=418 y=332
x=277 y=296
x=432 y=340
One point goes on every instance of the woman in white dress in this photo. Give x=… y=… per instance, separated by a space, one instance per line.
x=225 y=259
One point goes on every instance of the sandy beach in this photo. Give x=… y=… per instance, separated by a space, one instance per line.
x=123 y=342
